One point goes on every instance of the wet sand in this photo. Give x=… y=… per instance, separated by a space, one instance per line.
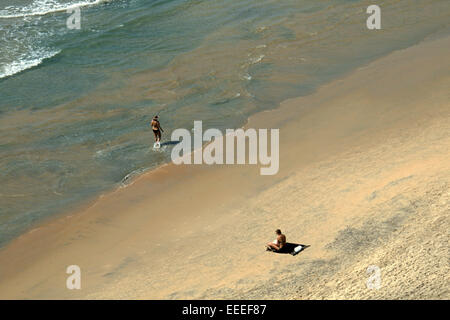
x=364 y=180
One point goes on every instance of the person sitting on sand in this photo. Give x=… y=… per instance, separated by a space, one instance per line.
x=156 y=127
x=279 y=243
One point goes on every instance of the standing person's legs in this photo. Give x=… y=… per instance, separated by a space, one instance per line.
x=155 y=132
x=158 y=134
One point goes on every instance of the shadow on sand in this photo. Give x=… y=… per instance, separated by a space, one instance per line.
x=289 y=248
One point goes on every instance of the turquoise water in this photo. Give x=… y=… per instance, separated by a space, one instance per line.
x=75 y=104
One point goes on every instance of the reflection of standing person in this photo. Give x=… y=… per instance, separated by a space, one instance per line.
x=156 y=127
x=279 y=243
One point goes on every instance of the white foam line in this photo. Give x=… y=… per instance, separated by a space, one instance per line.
x=57 y=8
x=19 y=66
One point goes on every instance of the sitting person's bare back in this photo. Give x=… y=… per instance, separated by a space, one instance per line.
x=279 y=243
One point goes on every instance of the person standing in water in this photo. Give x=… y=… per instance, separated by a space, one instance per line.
x=156 y=127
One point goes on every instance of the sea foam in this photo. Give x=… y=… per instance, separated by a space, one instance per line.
x=44 y=7
x=26 y=63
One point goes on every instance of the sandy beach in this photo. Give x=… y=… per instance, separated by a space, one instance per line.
x=364 y=181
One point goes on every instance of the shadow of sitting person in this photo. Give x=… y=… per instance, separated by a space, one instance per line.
x=291 y=248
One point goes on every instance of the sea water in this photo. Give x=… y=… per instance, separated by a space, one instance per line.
x=75 y=104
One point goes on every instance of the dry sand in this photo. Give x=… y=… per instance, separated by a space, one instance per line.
x=364 y=180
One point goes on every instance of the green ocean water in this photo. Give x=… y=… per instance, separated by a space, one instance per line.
x=75 y=104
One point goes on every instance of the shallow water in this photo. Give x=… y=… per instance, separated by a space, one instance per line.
x=75 y=104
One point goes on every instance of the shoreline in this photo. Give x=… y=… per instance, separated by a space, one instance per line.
x=76 y=232
x=131 y=177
